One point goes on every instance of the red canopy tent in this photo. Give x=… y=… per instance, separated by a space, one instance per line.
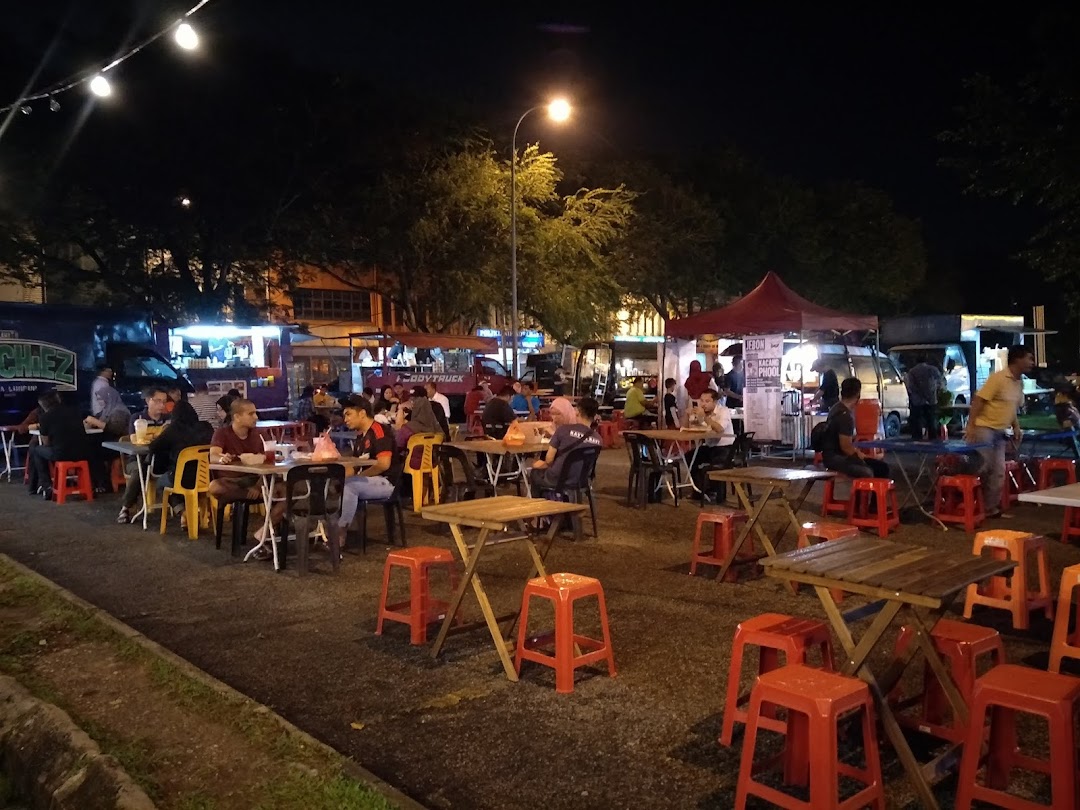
x=771 y=307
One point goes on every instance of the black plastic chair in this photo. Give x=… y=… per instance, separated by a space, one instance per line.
x=317 y=480
x=575 y=477
x=470 y=486
x=736 y=454
x=392 y=510
x=647 y=465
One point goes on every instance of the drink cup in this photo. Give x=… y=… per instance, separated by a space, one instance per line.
x=271 y=456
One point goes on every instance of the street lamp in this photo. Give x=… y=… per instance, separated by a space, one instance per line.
x=558 y=110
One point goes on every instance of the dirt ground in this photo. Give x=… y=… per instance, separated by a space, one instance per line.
x=455 y=732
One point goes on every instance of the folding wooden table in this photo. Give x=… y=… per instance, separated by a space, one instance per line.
x=772 y=483
x=491 y=516
x=495 y=451
x=911 y=585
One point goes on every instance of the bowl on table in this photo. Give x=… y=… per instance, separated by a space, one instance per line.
x=251 y=459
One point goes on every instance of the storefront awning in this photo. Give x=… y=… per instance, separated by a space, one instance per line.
x=430 y=340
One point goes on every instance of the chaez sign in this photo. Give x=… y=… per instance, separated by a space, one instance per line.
x=32 y=361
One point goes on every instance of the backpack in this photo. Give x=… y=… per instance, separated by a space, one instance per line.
x=817 y=436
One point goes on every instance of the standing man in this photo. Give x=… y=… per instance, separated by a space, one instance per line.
x=734 y=382
x=671 y=405
x=102 y=381
x=434 y=395
x=993 y=410
x=375 y=441
x=838 y=451
x=923 y=383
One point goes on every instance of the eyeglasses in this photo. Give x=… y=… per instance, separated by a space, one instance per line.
x=160 y=401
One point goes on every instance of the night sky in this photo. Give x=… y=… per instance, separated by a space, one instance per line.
x=815 y=92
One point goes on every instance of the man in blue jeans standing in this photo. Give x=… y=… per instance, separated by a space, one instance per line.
x=374 y=440
x=993 y=410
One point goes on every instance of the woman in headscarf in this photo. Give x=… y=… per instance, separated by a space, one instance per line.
x=184 y=430
x=114 y=415
x=421 y=418
x=562 y=411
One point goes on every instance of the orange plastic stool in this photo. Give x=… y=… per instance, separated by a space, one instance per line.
x=725 y=523
x=830 y=504
x=959 y=500
x=886 y=513
x=1062 y=644
x=816 y=701
x=563 y=590
x=824 y=532
x=63 y=487
x=1004 y=691
x=1014 y=476
x=773 y=633
x=1050 y=468
x=422 y=608
x=117 y=477
x=1011 y=593
x=1071 y=526
x=961 y=644
x=609 y=431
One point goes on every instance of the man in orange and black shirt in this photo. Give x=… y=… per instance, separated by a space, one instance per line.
x=374 y=440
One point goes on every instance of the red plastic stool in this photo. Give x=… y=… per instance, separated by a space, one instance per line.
x=824 y=532
x=63 y=471
x=1071 y=527
x=1004 y=691
x=886 y=513
x=1050 y=468
x=116 y=473
x=816 y=701
x=830 y=504
x=962 y=645
x=773 y=633
x=422 y=608
x=1010 y=493
x=608 y=433
x=1062 y=644
x=725 y=523
x=959 y=500
x=563 y=590
x=1011 y=593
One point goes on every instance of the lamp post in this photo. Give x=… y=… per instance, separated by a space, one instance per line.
x=558 y=110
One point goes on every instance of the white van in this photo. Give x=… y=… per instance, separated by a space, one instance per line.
x=850 y=361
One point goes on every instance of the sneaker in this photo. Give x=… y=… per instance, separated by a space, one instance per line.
x=263 y=553
x=47 y=494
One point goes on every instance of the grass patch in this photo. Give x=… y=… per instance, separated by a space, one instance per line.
x=305 y=792
x=134 y=755
x=195 y=801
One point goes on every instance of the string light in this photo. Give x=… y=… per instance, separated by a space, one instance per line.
x=183 y=33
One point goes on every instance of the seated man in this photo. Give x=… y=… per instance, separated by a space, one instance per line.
x=526 y=403
x=156 y=417
x=374 y=440
x=498 y=416
x=838 y=452
x=544 y=473
x=636 y=406
x=63 y=438
x=714 y=450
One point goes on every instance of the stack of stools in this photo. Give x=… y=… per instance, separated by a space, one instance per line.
x=1064 y=645
x=71 y=478
x=962 y=645
x=885 y=514
x=816 y=702
x=422 y=609
x=725 y=524
x=563 y=590
x=1051 y=469
x=1011 y=593
x=959 y=500
x=824 y=532
x=1004 y=692
x=772 y=633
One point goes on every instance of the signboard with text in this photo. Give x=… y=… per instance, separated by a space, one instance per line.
x=761 y=396
x=31 y=365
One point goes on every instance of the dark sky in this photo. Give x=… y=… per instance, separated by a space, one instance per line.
x=819 y=93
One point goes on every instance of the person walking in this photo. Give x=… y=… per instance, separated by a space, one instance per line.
x=924 y=381
x=993 y=410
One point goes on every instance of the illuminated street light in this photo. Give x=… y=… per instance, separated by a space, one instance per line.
x=185 y=202
x=100 y=86
x=186 y=37
x=558 y=111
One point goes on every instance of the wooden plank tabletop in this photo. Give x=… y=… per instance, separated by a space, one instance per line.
x=885 y=569
x=1068 y=495
x=770 y=475
x=495 y=447
x=500 y=511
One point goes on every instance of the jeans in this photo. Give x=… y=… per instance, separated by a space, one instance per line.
x=38 y=462
x=362 y=488
x=993 y=464
x=923 y=422
x=855 y=467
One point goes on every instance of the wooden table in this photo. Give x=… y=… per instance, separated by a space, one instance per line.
x=911 y=584
x=144 y=468
x=674 y=451
x=773 y=483
x=489 y=515
x=497 y=450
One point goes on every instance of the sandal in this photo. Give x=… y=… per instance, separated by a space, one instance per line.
x=263 y=554
x=124 y=517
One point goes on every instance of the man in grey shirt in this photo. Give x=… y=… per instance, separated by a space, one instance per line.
x=924 y=380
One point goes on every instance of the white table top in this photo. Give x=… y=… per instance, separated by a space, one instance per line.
x=1068 y=495
x=128 y=447
x=282 y=468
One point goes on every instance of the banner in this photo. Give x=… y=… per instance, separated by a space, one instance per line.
x=33 y=365
x=761 y=395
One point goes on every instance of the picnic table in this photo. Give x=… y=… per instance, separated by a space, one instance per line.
x=909 y=584
x=495 y=452
x=144 y=467
x=925 y=450
x=490 y=517
x=674 y=451
x=773 y=485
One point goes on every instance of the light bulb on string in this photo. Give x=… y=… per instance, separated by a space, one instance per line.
x=186 y=37
x=100 y=86
x=54 y=105
x=25 y=109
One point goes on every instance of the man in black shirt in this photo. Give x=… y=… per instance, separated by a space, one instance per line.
x=838 y=452
x=498 y=416
x=734 y=382
x=63 y=438
x=671 y=405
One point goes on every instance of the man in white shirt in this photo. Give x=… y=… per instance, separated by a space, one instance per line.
x=434 y=395
x=102 y=381
x=715 y=449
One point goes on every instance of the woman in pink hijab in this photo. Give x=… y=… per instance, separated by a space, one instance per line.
x=562 y=411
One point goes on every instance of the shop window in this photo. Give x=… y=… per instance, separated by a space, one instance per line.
x=332 y=305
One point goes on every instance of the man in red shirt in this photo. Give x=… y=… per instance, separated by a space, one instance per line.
x=228 y=443
x=374 y=440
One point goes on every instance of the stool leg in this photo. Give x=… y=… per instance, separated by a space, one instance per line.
x=824 y=785
x=564 y=646
x=696 y=548
x=746 y=762
x=797 y=749
x=605 y=634
x=1061 y=626
x=731 y=702
x=1044 y=584
x=873 y=757
x=383 y=598
x=1021 y=614
x=1063 y=759
x=523 y=623
x=417 y=606
x=1002 y=747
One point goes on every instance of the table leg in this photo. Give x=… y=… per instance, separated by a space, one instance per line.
x=538 y=568
x=754 y=513
x=144 y=485
x=857 y=654
x=8 y=439
x=912 y=493
x=792 y=507
x=268 y=524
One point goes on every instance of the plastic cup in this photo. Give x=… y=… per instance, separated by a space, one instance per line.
x=271 y=456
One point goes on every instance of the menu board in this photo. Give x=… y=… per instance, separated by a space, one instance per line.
x=761 y=396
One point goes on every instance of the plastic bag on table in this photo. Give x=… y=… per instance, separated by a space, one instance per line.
x=325 y=449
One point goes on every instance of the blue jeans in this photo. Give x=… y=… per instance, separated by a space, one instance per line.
x=362 y=488
x=993 y=464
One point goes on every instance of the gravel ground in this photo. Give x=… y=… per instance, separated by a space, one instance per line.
x=455 y=732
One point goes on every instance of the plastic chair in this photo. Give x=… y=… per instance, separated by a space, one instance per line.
x=582 y=461
x=392 y=511
x=959 y=499
x=885 y=513
x=1011 y=593
x=1062 y=644
x=645 y=463
x=195 y=496
x=723 y=524
x=63 y=471
x=470 y=486
x=1050 y=468
x=422 y=608
x=317 y=481
x=425 y=465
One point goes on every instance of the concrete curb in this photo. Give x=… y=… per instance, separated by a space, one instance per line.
x=54 y=763
x=351 y=768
